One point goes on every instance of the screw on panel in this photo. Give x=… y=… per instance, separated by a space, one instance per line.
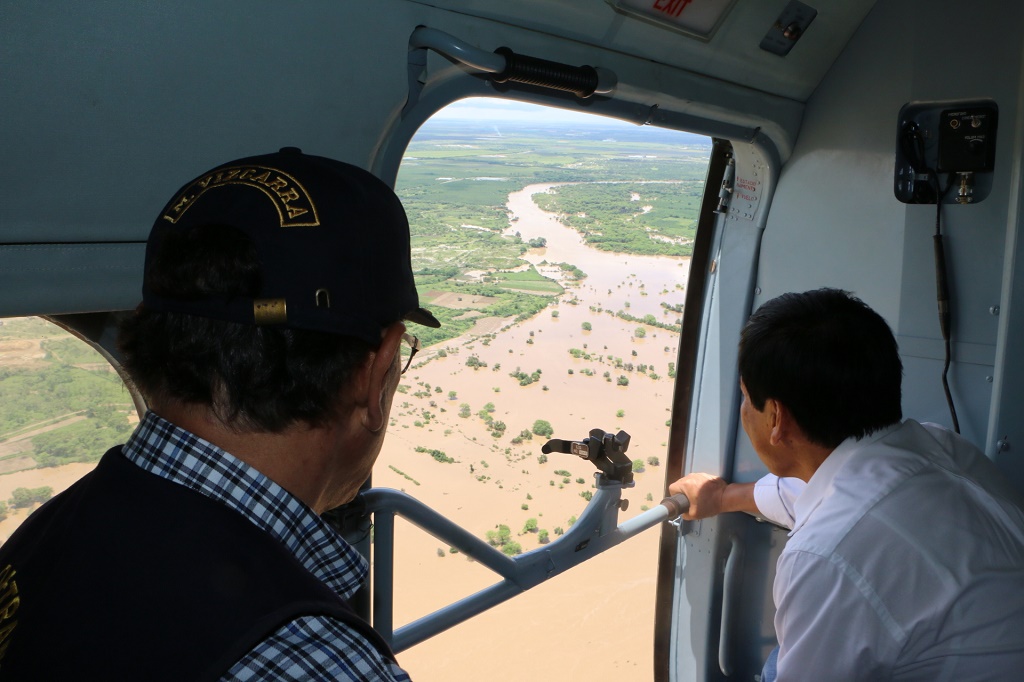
x=1003 y=444
x=993 y=310
x=989 y=378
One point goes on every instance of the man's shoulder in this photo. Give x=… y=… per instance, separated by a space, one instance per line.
x=903 y=497
x=876 y=475
x=315 y=648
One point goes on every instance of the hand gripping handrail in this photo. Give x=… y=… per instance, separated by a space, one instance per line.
x=594 y=532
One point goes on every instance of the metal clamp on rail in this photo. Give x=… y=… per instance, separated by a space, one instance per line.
x=507 y=66
x=607 y=452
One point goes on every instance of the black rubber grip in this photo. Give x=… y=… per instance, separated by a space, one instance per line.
x=582 y=81
x=676 y=505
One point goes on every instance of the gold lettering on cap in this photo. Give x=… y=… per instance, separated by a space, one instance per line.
x=295 y=207
x=9 y=602
x=277 y=185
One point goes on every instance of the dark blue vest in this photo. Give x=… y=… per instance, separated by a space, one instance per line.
x=128 y=576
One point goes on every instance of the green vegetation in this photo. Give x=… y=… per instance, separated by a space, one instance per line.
x=26 y=497
x=529 y=280
x=64 y=390
x=502 y=539
x=57 y=390
x=647 y=218
x=403 y=474
x=525 y=434
x=455 y=181
x=438 y=455
x=499 y=537
x=524 y=378
x=83 y=441
x=542 y=427
x=511 y=548
x=572 y=272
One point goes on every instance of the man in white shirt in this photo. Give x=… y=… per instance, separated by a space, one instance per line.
x=906 y=556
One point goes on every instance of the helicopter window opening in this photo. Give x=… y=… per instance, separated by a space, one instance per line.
x=62 y=406
x=553 y=246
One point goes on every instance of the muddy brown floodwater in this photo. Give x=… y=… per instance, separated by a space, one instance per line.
x=595 y=621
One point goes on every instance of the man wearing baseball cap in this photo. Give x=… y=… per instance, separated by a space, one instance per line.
x=267 y=346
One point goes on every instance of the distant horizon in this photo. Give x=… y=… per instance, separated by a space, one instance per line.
x=495 y=114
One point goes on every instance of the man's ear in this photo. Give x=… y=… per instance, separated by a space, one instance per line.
x=379 y=381
x=779 y=420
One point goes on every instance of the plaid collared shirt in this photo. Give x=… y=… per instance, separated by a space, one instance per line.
x=308 y=648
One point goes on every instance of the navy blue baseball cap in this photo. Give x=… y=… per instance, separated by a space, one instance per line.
x=332 y=241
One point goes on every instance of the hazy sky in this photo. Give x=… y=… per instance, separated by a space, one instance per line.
x=498 y=113
x=492 y=109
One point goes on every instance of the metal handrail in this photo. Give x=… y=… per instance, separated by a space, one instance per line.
x=594 y=532
x=505 y=65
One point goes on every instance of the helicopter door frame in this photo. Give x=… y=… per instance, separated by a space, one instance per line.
x=689 y=619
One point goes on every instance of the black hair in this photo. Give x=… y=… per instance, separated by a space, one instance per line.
x=829 y=358
x=254 y=378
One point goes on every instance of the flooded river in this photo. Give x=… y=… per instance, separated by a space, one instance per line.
x=609 y=275
x=495 y=481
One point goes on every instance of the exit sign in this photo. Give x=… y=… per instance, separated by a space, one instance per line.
x=698 y=18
